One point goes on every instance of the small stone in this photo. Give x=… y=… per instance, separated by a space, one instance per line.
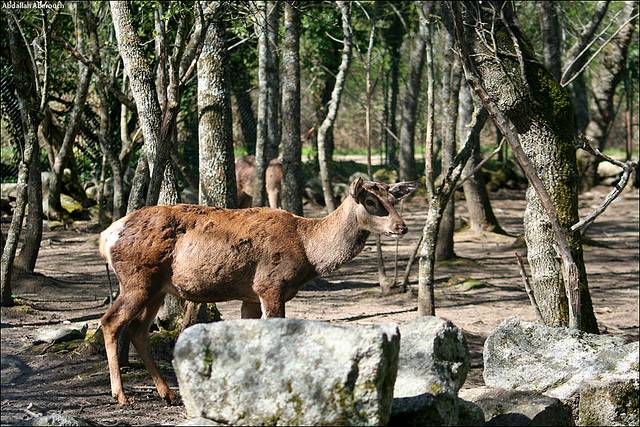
x=60 y=333
x=58 y=420
x=425 y=410
x=517 y=408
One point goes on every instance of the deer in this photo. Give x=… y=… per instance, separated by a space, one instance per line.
x=260 y=256
x=246 y=177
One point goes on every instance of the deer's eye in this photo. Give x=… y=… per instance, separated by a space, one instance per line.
x=370 y=203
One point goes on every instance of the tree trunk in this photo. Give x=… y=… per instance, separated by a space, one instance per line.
x=410 y=104
x=139 y=184
x=291 y=144
x=542 y=115
x=28 y=255
x=215 y=133
x=451 y=75
x=393 y=36
x=481 y=216
x=141 y=78
x=581 y=103
x=72 y=127
x=550 y=28
x=605 y=82
x=273 y=81
x=332 y=110
x=262 y=138
x=24 y=77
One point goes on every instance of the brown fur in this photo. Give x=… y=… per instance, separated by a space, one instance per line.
x=260 y=256
x=245 y=181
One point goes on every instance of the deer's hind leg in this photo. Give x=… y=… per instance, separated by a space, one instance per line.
x=123 y=310
x=139 y=334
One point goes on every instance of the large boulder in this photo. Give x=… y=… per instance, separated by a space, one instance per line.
x=433 y=365
x=555 y=361
x=518 y=408
x=609 y=403
x=287 y=372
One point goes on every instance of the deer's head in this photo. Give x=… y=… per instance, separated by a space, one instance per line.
x=375 y=209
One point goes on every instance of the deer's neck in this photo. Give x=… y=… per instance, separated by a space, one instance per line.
x=335 y=239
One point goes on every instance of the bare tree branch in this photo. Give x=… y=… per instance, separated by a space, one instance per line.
x=627 y=168
x=527 y=287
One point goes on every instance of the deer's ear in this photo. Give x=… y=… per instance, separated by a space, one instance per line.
x=356 y=188
x=403 y=189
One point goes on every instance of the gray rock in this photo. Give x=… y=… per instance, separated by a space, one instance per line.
x=469 y=414
x=60 y=333
x=518 y=408
x=608 y=170
x=432 y=366
x=58 y=420
x=425 y=410
x=555 y=361
x=287 y=372
x=8 y=190
x=433 y=358
x=609 y=403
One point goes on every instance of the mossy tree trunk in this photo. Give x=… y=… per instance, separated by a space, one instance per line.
x=541 y=112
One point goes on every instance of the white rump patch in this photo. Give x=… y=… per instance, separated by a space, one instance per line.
x=109 y=237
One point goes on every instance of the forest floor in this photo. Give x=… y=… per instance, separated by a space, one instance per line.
x=72 y=285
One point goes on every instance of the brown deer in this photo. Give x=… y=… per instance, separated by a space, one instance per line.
x=246 y=178
x=260 y=256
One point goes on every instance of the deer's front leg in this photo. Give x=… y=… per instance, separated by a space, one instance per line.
x=272 y=303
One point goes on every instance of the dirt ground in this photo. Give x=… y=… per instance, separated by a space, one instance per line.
x=73 y=287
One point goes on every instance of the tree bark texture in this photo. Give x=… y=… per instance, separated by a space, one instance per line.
x=273 y=81
x=28 y=255
x=24 y=77
x=72 y=127
x=607 y=78
x=542 y=114
x=291 y=144
x=215 y=133
x=451 y=76
x=245 y=113
x=334 y=104
x=105 y=128
x=409 y=113
x=551 y=37
x=393 y=36
x=481 y=215
x=262 y=138
x=139 y=184
x=143 y=87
